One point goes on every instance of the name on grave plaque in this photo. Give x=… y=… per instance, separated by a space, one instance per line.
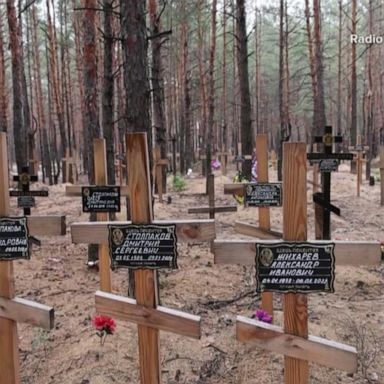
x=101 y=199
x=143 y=246
x=263 y=195
x=14 y=238
x=295 y=267
x=25 y=201
x=329 y=165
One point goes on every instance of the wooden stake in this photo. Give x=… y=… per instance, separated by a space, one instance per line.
x=211 y=194
x=382 y=174
x=295 y=228
x=145 y=279
x=264 y=215
x=9 y=352
x=100 y=165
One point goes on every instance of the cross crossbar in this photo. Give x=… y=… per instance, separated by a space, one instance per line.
x=255 y=231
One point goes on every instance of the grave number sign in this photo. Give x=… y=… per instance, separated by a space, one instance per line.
x=14 y=238
x=295 y=267
x=143 y=246
x=263 y=195
x=101 y=199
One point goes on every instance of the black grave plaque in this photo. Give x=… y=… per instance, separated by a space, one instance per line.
x=17 y=193
x=25 y=201
x=143 y=246
x=101 y=199
x=295 y=267
x=329 y=165
x=14 y=238
x=263 y=195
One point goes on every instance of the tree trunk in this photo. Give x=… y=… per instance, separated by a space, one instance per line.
x=3 y=85
x=280 y=136
x=245 y=99
x=353 y=77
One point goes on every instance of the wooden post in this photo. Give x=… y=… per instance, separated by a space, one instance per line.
x=211 y=194
x=295 y=229
x=101 y=178
x=264 y=214
x=9 y=353
x=382 y=174
x=145 y=279
x=359 y=160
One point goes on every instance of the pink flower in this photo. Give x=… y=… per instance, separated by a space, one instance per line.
x=263 y=316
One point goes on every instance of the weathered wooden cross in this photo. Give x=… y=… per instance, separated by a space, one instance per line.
x=144 y=244
x=359 y=152
x=328 y=163
x=296 y=267
x=158 y=171
x=69 y=162
x=102 y=199
x=14 y=244
x=212 y=209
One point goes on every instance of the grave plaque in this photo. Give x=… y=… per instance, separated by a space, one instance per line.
x=17 y=193
x=143 y=246
x=263 y=195
x=295 y=267
x=26 y=202
x=13 y=238
x=329 y=165
x=101 y=199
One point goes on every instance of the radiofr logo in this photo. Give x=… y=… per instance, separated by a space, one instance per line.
x=368 y=39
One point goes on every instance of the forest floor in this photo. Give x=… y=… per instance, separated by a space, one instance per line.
x=71 y=353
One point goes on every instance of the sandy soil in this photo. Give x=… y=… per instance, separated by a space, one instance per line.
x=71 y=353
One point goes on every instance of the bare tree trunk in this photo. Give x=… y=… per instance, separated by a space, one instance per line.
x=247 y=141
x=353 y=77
x=339 y=106
x=3 y=85
x=19 y=130
x=211 y=82
x=280 y=136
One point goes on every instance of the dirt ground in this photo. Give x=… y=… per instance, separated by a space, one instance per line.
x=71 y=353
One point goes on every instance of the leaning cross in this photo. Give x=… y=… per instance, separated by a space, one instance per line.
x=14 y=244
x=277 y=272
x=144 y=258
x=212 y=209
x=328 y=163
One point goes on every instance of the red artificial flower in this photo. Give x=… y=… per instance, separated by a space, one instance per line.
x=104 y=324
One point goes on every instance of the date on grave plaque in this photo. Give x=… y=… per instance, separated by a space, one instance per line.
x=101 y=199
x=295 y=267
x=263 y=195
x=14 y=238
x=151 y=246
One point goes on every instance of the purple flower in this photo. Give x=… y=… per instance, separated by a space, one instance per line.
x=263 y=316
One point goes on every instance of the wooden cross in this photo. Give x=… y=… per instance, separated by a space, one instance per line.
x=13 y=309
x=223 y=156
x=145 y=310
x=158 y=169
x=382 y=174
x=293 y=341
x=212 y=209
x=101 y=188
x=69 y=162
x=322 y=199
x=359 y=151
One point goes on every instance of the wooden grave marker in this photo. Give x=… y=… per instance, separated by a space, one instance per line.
x=328 y=163
x=382 y=174
x=145 y=310
x=158 y=171
x=102 y=199
x=212 y=209
x=359 y=152
x=293 y=341
x=14 y=244
x=70 y=164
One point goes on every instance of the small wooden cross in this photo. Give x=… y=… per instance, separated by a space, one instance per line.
x=158 y=171
x=323 y=207
x=359 y=152
x=69 y=162
x=13 y=309
x=294 y=342
x=212 y=209
x=145 y=310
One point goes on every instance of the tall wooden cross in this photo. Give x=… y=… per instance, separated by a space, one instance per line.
x=278 y=269
x=212 y=209
x=14 y=244
x=102 y=199
x=145 y=310
x=328 y=163
x=158 y=171
x=359 y=152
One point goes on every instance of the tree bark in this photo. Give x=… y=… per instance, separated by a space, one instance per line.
x=3 y=85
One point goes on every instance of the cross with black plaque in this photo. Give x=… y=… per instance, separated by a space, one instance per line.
x=328 y=163
x=26 y=197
